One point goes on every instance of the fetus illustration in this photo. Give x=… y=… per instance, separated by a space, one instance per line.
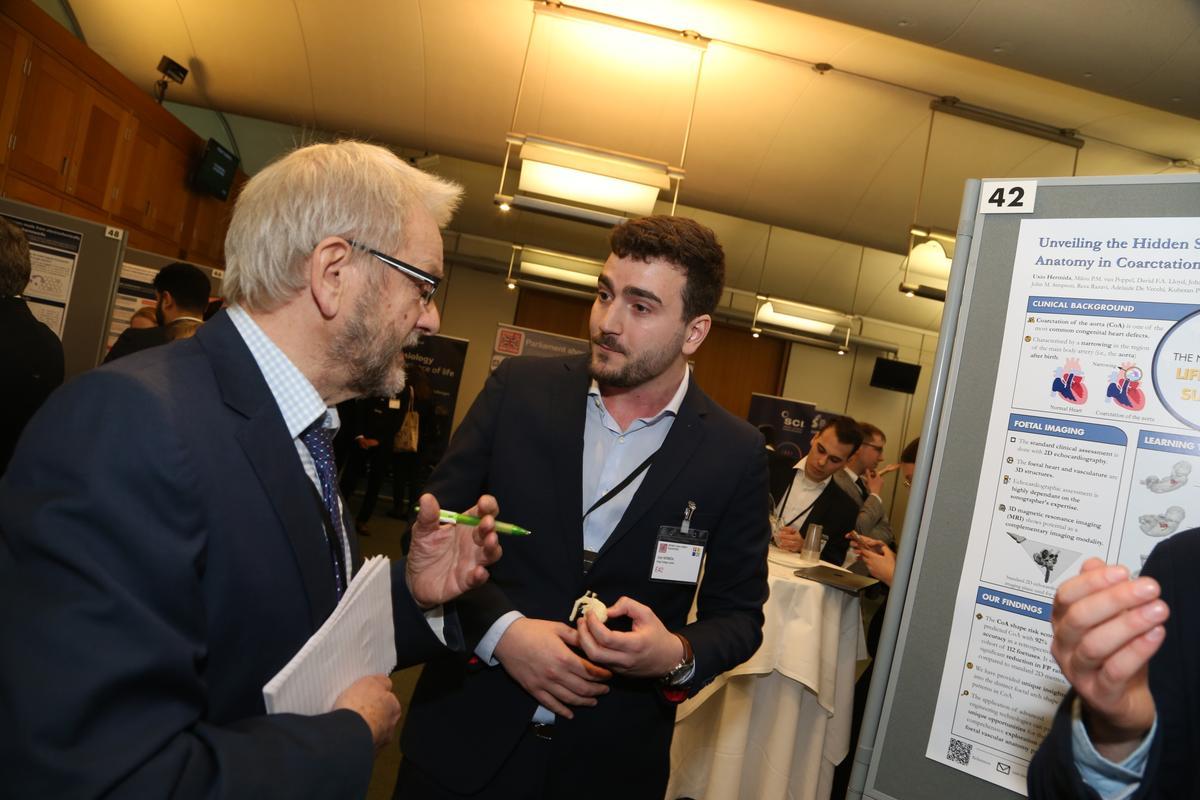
x=1050 y=560
x=1068 y=382
x=1164 y=524
x=1169 y=483
x=1124 y=387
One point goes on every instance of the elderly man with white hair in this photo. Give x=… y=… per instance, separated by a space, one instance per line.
x=170 y=529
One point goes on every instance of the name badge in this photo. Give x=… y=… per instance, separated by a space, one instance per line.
x=678 y=555
x=394 y=404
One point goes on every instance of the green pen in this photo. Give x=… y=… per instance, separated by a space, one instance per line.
x=453 y=518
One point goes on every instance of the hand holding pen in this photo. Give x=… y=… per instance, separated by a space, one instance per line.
x=446 y=560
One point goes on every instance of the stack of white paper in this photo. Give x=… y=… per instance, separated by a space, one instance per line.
x=357 y=640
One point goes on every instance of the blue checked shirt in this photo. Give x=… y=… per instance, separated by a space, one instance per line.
x=297 y=398
x=301 y=405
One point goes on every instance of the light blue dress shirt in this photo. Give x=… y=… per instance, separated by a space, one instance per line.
x=299 y=401
x=1110 y=780
x=301 y=405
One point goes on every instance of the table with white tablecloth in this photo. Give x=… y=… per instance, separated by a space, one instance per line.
x=776 y=726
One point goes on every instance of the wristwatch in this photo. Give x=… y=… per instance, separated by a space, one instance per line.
x=681 y=671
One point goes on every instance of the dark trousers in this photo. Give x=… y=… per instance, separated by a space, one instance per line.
x=374 y=462
x=541 y=769
x=523 y=777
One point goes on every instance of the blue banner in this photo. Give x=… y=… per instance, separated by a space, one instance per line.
x=1067 y=429
x=791 y=421
x=1127 y=309
x=435 y=369
x=1169 y=443
x=1014 y=603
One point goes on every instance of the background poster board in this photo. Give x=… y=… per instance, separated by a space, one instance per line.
x=75 y=264
x=53 y=254
x=135 y=288
x=1062 y=370
x=512 y=340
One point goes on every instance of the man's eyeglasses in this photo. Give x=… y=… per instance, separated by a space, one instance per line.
x=426 y=283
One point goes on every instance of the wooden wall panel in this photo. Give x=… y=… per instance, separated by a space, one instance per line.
x=729 y=366
x=87 y=140
x=553 y=313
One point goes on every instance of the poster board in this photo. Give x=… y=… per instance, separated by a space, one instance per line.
x=135 y=288
x=75 y=263
x=1108 y=269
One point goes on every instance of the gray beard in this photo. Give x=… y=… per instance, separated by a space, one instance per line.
x=369 y=363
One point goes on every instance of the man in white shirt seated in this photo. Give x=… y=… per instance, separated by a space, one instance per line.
x=808 y=495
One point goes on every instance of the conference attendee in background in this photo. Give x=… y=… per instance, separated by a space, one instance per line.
x=31 y=355
x=181 y=291
x=624 y=470
x=806 y=494
x=172 y=534
x=863 y=483
x=879 y=560
x=372 y=426
x=1130 y=726
x=144 y=317
x=406 y=448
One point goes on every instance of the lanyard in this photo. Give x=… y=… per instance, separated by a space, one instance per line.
x=787 y=492
x=616 y=490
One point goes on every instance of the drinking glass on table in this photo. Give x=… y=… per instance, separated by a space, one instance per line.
x=811 y=552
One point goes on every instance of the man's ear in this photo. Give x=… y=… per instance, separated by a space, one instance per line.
x=327 y=275
x=696 y=330
x=168 y=300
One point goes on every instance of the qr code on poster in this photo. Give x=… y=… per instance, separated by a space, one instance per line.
x=510 y=342
x=959 y=752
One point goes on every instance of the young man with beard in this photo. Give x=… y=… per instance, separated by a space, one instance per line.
x=628 y=476
x=171 y=530
x=181 y=292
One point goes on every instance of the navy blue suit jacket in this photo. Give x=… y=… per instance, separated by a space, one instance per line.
x=161 y=558
x=522 y=441
x=1172 y=770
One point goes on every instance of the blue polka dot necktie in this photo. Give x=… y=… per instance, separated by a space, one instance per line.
x=320 y=446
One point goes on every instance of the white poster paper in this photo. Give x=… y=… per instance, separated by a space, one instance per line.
x=135 y=289
x=1092 y=450
x=53 y=254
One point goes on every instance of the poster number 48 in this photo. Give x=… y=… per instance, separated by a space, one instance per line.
x=1007 y=197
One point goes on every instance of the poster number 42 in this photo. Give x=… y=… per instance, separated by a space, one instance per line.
x=1007 y=197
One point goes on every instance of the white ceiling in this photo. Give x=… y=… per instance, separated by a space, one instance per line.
x=834 y=160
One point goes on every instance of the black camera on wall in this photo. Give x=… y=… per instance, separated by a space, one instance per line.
x=171 y=70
